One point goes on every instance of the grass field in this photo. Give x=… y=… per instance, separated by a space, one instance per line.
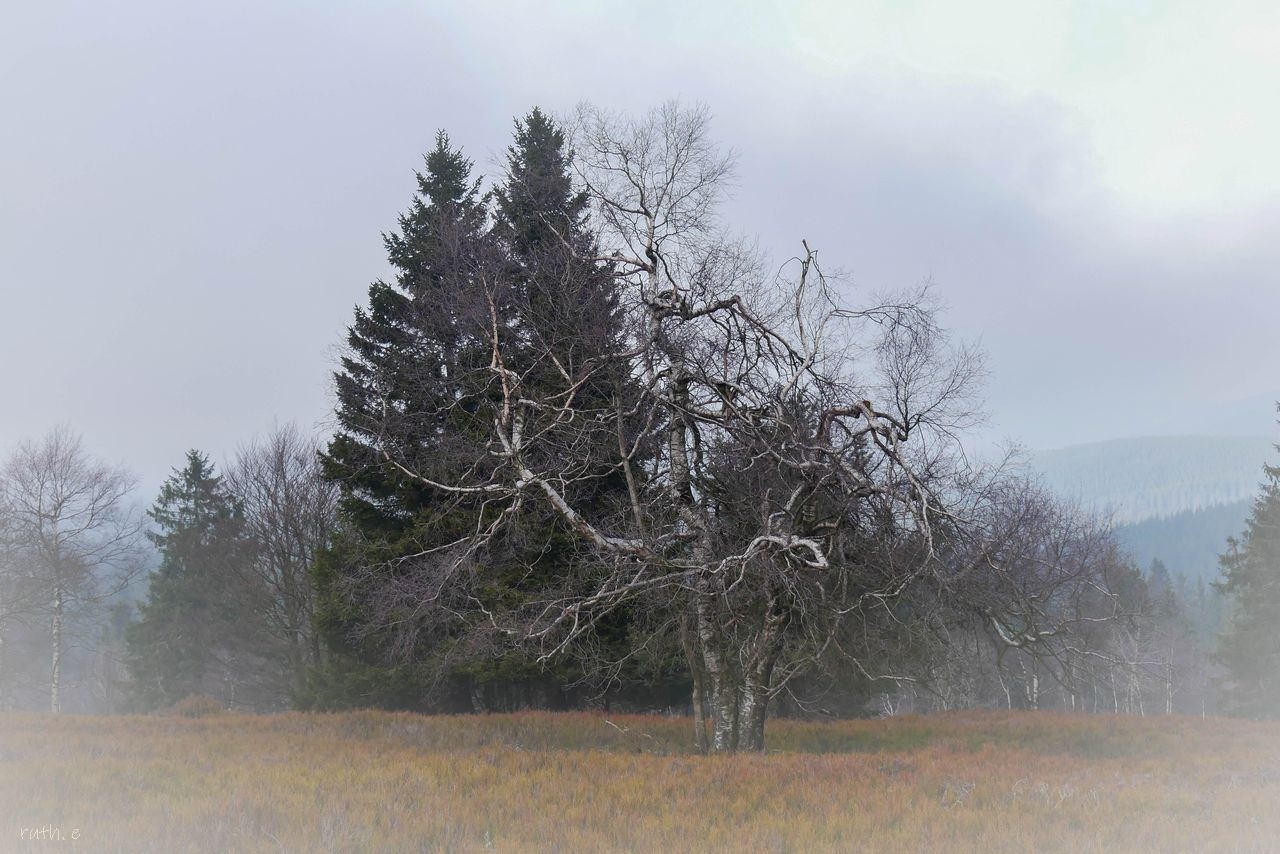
x=583 y=782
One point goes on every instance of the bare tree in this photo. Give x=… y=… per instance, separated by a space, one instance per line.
x=18 y=598
x=791 y=463
x=289 y=514
x=73 y=536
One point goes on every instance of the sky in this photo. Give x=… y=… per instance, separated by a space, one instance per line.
x=192 y=194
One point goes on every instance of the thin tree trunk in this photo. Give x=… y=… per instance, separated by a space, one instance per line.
x=478 y=703
x=719 y=686
x=4 y=693
x=55 y=675
x=1031 y=685
x=695 y=674
x=632 y=491
x=1004 y=686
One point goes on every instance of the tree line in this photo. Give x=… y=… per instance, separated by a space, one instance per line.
x=594 y=450
x=228 y=608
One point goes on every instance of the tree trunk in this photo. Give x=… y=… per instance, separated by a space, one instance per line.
x=754 y=707
x=758 y=679
x=750 y=718
x=695 y=675
x=478 y=702
x=1004 y=685
x=4 y=693
x=737 y=692
x=1031 y=685
x=722 y=688
x=723 y=700
x=55 y=675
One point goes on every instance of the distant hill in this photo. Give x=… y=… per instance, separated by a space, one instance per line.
x=1134 y=480
x=1175 y=498
x=1188 y=543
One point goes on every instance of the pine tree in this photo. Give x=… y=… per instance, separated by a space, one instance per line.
x=1249 y=647
x=195 y=628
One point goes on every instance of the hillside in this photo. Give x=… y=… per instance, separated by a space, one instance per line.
x=1188 y=543
x=1133 y=480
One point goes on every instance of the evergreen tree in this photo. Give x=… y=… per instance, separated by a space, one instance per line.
x=1159 y=580
x=1249 y=647
x=417 y=386
x=408 y=352
x=194 y=634
x=564 y=303
x=412 y=386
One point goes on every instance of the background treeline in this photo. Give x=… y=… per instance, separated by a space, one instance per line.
x=107 y=608
x=231 y=612
x=404 y=563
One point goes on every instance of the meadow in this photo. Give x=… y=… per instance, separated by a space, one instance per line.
x=372 y=781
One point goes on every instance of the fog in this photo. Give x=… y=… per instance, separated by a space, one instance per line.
x=193 y=195
x=513 y=607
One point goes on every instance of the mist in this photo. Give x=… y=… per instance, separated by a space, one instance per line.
x=798 y=426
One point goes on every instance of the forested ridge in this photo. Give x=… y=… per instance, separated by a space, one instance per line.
x=1133 y=480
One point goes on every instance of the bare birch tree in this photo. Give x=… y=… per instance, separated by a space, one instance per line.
x=72 y=533
x=289 y=513
x=18 y=600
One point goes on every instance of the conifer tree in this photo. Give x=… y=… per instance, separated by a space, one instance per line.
x=565 y=304
x=1249 y=647
x=195 y=627
x=565 y=301
x=402 y=380
x=409 y=387
x=417 y=384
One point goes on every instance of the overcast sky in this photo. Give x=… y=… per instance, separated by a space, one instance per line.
x=192 y=194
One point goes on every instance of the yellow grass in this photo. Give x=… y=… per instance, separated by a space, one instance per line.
x=550 y=782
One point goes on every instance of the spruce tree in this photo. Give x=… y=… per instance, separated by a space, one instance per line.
x=412 y=386
x=417 y=386
x=194 y=634
x=409 y=352
x=565 y=300
x=564 y=303
x=1249 y=647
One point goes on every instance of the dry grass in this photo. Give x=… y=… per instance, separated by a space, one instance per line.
x=397 y=782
